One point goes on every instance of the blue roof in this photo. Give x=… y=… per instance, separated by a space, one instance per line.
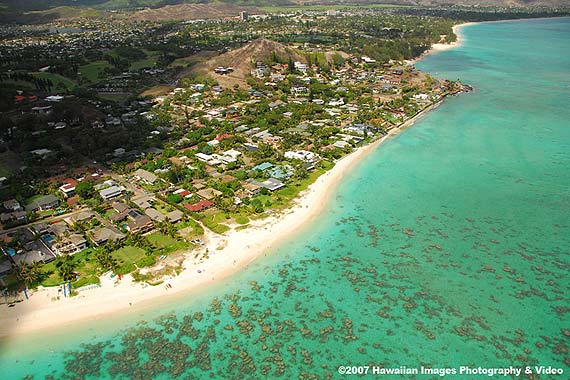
x=263 y=166
x=281 y=172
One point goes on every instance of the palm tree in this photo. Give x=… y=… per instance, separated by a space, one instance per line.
x=106 y=260
x=65 y=267
x=29 y=273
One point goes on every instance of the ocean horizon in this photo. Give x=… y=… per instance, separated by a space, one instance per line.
x=446 y=246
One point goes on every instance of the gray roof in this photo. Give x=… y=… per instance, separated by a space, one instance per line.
x=45 y=201
x=175 y=216
x=111 y=192
x=146 y=175
x=104 y=234
x=155 y=214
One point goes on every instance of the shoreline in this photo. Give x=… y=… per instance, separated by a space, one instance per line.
x=240 y=248
x=438 y=47
x=228 y=255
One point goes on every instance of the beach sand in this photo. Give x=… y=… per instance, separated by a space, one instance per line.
x=435 y=48
x=47 y=309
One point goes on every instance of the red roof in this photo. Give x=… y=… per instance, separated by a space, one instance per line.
x=70 y=181
x=184 y=193
x=199 y=206
x=223 y=136
x=72 y=201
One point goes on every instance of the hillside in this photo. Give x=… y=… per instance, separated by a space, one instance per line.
x=49 y=15
x=191 y=12
x=242 y=60
x=26 y=5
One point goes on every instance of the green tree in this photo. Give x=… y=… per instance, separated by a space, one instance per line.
x=105 y=259
x=85 y=190
x=29 y=273
x=66 y=267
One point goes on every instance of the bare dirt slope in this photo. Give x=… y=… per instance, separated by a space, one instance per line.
x=242 y=60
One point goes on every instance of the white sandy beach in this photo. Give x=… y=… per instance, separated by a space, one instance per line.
x=228 y=254
x=45 y=311
x=435 y=48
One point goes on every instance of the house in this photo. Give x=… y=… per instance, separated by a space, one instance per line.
x=301 y=67
x=80 y=217
x=251 y=188
x=43 y=203
x=303 y=155
x=12 y=205
x=78 y=241
x=146 y=176
x=120 y=207
x=281 y=171
x=175 y=216
x=70 y=245
x=143 y=201
x=111 y=192
x=298 y=90
x=155 y=215
x=341 y=144
x=208 y=193
x=199 y=206
x=140 y=223
x=232 y=153
x=183 y=193
x=104 y=234
x=276 y=104
x=13 y=216
x=68 y=187
x=42 y=153
x=270 y=184
x=263 y=166
x=208 y=159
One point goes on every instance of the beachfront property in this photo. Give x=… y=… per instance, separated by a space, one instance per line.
x=221 y=154
x=102 y=235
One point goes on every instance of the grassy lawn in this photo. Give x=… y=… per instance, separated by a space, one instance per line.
x=130 y=257
x=287 y=194
x=241 y=219
x=197 y=229
x=163 y=208
x=59 y=82
x=92 y=70
x=213 y=220
x=87 y=269
x=148 y=62
x=166 y=244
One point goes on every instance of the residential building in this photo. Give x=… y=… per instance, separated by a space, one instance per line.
x=146 y=176
x=111 y=192
x=43 y=203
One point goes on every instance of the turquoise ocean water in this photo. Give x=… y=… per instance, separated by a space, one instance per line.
x=449 y=245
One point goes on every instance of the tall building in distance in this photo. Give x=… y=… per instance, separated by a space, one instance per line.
x=243 y=15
